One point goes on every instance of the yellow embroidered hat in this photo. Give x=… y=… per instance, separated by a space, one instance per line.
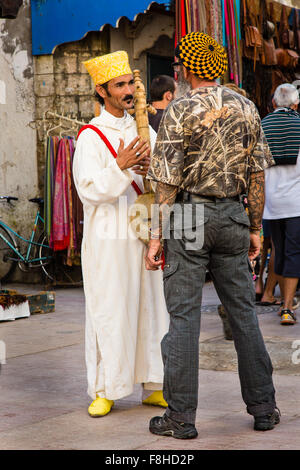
x=202 y=55
x=104 y=68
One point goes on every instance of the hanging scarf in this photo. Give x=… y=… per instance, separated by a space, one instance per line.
x=52 y=145
x=233 y=41
x=209 y=28
x=70 y=201
x=228 y=40
x=231 y=34
x=77 y=212
x=201 y=16
x=60 y=234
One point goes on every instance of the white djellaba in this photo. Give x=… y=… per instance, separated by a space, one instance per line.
x=126 y=316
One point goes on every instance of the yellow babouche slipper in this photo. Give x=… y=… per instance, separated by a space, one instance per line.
x=100 y=407
x=156 y=399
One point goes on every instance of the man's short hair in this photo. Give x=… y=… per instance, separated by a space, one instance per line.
x=160 y=85
x=286 y=95
x=98 y=97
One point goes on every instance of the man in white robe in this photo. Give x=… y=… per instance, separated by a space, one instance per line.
x=126 y=314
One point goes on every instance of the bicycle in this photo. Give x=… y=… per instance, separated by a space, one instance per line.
x=38 y=254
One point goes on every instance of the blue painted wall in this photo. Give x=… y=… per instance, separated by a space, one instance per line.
x=57 y=21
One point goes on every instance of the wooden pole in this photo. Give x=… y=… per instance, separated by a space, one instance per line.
x=141 y=115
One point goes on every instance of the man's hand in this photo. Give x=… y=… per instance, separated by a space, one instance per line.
x=152 y=258
x=133 y=154
x=254 y=248
x=142 y=168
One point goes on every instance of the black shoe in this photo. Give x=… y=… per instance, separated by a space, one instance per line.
x=165 y=426
x=267 y=422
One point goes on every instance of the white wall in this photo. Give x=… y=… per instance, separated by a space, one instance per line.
x=18 y=162
x=136 y=42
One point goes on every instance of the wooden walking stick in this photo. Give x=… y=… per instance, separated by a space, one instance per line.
x=142 y=217
x=141 y=115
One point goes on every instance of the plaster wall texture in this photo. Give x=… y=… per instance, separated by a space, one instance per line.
x=30 y=86
x=153 y=33
x=63 y=85
x=18 y=163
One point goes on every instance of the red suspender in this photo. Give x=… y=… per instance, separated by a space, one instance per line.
x=110 y=147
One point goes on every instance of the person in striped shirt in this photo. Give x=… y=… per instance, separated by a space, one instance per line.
x=282 y=192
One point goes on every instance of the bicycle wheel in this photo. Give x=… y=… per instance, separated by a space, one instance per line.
x=7 y=264
x=55 y=268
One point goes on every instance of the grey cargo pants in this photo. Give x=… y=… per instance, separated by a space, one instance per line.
x=225 y=254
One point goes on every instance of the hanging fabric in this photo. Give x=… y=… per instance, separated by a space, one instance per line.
x=183 y=18
x=228 y=40
x=201 y=16
x=60 y=233
x=63 y=210
x=232 y=38
x=51 y=152
x=234 y=42
x=77 y=215
x=209 y=28
x=198 y=15
x=70 y=202
x=218 y=18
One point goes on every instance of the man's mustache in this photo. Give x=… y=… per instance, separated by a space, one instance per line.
x=128 y=97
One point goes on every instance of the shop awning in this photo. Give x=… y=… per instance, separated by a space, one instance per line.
x=58 y=21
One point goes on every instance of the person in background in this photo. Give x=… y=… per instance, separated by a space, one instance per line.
x=282 y=194
x=265 y=293
x=162 y=92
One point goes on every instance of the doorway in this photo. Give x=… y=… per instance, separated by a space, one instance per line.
x=158 y=65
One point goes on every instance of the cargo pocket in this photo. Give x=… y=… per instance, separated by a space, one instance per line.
x=170 y=288
x=170 y=269
x=193 y=236
x=239 y=232
x=241 y=219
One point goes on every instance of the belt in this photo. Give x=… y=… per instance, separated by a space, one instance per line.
x=185 y=196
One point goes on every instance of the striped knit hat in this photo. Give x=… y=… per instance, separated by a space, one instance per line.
x=202 y=55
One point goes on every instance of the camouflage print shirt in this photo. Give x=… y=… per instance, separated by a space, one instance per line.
x=208 y=143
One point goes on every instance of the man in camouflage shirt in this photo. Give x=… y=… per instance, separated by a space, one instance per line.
x=197 y=131
x=210 y=150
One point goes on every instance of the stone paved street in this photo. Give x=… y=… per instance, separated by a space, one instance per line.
x=44 y=400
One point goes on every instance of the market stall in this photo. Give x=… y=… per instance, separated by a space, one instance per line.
x=262 y=38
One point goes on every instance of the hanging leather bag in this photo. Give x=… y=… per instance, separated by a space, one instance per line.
x=286 y=36
x=267 y=25
x=268 y=55
x=253 y=42
x=286 y=56
x=296 y=26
